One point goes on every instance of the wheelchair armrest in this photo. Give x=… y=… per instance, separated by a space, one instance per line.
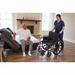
x=45 y=37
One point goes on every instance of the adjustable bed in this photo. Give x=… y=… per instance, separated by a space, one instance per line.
x=33 y=39
x=10 y=44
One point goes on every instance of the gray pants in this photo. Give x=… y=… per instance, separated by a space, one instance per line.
x=23 y=45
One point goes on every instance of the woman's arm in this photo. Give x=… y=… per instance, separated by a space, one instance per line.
x=53 y=29
x=62 y=30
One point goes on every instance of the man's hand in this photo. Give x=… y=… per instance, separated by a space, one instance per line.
x=13 y=38
x=60 y=32
x=26 y=42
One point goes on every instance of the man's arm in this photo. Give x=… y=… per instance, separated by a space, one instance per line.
x=14 y=36
x=29 y=33
x=62 y=30
x=28 y=40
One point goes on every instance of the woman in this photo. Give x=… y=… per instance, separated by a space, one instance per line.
x=59 y=27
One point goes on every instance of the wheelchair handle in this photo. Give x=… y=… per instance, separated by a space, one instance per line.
x=54 y=32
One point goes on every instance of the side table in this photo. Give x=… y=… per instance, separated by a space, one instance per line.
x=1 y=51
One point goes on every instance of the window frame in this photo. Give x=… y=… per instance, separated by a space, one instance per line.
x=45 y=21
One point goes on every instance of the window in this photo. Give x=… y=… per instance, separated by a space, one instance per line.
x=6 y=20
x=47 y=21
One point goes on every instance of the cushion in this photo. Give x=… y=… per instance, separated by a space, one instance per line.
x=5 y=29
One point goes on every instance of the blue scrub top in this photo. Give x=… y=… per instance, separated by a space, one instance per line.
x=58 y=26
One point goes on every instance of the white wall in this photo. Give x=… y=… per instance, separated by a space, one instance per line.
x=69 y=33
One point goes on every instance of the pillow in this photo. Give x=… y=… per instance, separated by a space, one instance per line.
x=4 y=29
x=10 y=30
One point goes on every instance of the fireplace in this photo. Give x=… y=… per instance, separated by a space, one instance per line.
x=31 y=28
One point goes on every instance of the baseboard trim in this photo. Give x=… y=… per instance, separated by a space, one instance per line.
x=70 y=40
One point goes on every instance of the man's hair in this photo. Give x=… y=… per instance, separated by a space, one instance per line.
x=58 y=16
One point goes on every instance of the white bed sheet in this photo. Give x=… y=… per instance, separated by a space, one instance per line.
x=33 y=39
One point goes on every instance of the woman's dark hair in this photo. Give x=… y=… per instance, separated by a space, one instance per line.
x=58 y=16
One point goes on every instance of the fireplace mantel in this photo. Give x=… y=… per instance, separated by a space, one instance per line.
x=28 y=20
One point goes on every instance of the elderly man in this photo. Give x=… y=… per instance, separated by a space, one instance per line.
x=25 y=36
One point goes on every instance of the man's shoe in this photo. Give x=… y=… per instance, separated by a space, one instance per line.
x=24 y=55
x=29 y=53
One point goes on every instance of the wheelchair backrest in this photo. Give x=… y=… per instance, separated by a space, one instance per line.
x=52 y=35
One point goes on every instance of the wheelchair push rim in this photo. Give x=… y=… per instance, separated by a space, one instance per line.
x=58 y=47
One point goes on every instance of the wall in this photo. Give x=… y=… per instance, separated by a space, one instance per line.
x=36 y=16
x=69 y=33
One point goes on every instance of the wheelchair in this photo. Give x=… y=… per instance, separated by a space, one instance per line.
x=50 y=43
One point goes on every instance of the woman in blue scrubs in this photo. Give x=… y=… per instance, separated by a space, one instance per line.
x=59 y=27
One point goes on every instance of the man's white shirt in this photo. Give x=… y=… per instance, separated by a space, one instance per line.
x=23 y=33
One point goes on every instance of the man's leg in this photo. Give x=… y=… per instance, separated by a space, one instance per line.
x=23 y=47
x=30 y=47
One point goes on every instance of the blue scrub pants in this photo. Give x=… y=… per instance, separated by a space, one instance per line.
x=61 y=38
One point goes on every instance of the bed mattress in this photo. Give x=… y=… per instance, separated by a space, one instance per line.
x=33 y=39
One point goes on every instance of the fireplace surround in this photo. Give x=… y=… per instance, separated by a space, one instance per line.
x=31 y=28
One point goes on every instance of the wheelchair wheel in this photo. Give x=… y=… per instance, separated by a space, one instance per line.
x=58 y=47
x=42 y=53
x=48 y=54
x=39 y=49
x=45 y=46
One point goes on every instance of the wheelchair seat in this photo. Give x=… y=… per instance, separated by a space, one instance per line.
x=51 y=38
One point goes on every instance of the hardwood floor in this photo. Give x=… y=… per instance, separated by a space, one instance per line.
x=67 y=55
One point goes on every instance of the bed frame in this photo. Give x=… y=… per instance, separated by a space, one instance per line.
x=6 y=46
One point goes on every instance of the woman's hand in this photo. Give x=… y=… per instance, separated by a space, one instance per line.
x=60 y=32
x=51 y=30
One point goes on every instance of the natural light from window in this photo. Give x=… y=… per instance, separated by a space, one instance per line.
x=6 y=20
x=47 y=21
